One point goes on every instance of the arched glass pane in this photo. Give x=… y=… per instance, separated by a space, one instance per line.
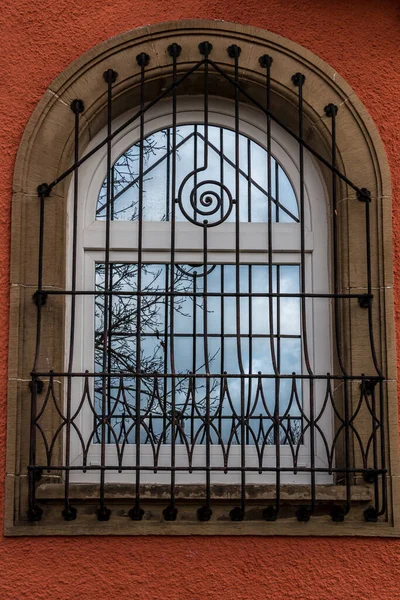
x=205 y=179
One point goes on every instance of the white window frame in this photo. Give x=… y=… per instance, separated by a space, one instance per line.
x=189 y=239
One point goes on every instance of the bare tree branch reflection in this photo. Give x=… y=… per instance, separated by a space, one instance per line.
x=155 y=331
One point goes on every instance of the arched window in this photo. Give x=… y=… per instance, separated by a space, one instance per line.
x=197 y=291
x=212 y=275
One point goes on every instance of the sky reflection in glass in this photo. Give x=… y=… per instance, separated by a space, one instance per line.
x=211 y=332
x=217 y=165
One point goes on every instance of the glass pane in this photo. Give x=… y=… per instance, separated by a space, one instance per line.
x=206 y=170
x=184 y=336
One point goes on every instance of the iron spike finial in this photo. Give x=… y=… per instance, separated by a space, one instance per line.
x=234 y=51
x=265 y=61
x=205 y=48
x=77 y=106
x=110 y=76
x=331 y=110
x=143 y=59
x=298 y=79
x=174 y=50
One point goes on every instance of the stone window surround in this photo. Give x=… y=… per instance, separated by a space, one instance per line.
x=46 y=151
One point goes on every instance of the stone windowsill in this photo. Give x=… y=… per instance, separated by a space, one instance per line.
x=125 y=492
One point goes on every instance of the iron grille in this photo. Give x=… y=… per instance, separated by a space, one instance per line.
x=138 y=400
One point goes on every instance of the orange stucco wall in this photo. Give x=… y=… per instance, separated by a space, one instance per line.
x=39 y=38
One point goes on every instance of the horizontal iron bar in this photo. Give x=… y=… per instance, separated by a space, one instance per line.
x=120 y=374
x=199 y=335
x=186 y=417
x=215 y=469
x=162 y=293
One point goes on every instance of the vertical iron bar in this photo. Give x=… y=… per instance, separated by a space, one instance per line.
x=69 y=512
x=204 y=513
x=271 y=512
x=165 y=348
x=221 y=168
x=372 y=342
x=249 y=180
x=194 y=355
x=237 y=514
x=170 y=202
x=207 y=49
x=195 y=141
x=34 y=511
x=109 y=358
x=136 y=513
x=171 y=511
x=276 y=191
x=303 y=514
x=40 y=297
x=250 y=279
x=374 y=447
x=110 y=316
x=366 y=198
x=222 y=361
x=103 y=513
x=271 y=271
x=250 y=338
x=222 y=285
x=168 y=177
x=331 y=111
x=278 y=317
x=383 y=509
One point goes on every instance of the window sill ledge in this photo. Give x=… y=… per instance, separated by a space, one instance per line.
x=154 y=499
x=290 y=493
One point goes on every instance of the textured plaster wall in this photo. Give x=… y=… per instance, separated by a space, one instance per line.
x=361 y=40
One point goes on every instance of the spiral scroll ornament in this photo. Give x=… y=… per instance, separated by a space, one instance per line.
x=208 y=200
